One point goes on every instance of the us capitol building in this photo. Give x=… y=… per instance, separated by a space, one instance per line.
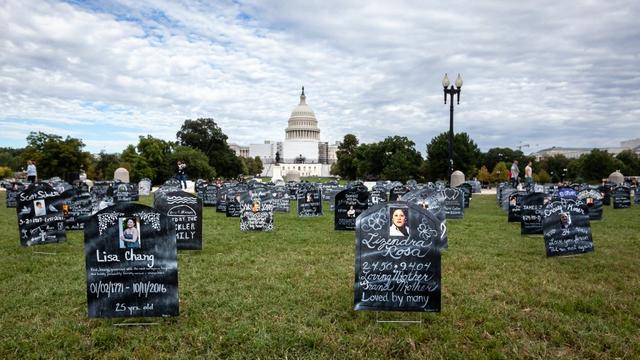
x=301 y=152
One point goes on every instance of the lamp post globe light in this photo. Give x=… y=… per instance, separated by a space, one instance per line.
x=451 y=91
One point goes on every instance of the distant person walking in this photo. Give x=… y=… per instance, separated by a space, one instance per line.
x=181 y=174
x=528 y=175
x=32 y=172
x=515 y=172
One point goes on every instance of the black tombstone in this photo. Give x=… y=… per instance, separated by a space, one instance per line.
x=431 y=200
x=13 y=189
x=621 y=197
x=256 y=213
x=378 y=194
x=467 y=190
x=397 y=191
x=281 y=199
x=566 y=193
x=221 y=200
x=77 y=208
x=606 y=190
x=122 y=193
x=309 y=201
x=566 y=228
x=40 y=216
x=592 y=198
x=209 y=195
x=531 y=213
x=349 y=204
x=185 y=210
x=234 y=201
x=101 y=190
x=397 y=265
x=131 y=263
x=515 y=206
x=453 y=200
x=636 y=196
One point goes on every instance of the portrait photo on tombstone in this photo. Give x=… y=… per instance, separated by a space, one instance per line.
x=255 y=206
x=565 y=220
x=399 y=226
x=39 y=208
x=129 y=233
x=351 y=213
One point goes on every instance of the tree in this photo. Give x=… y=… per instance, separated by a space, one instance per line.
x=137 y=165
x=206 y=136
x=542 y=177
x=12 y=158
x=598 y=164
x=466 y=155
x=197 y=163
x=484 y=176
x=395 y=158
x=630 y=163
x=154 y=155
x=555 y=166
x=500 y=172
x=56 y=156
x=495 y=155
x=346 y=166
x=104 y=167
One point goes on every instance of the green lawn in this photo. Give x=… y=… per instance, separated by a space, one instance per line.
x=289 y=294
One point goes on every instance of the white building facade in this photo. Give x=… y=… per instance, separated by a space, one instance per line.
x=301 y=151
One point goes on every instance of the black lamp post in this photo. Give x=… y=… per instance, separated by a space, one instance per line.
x=451 y=91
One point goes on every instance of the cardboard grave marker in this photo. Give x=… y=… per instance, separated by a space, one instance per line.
x=281 y=199
x=621 y=197
x=349 y=204
x=606 y=190
x=476 y=186
x=40 y=216
x=122 y=192
x=592 y=198
x=292 y=186
x=453 y=200
x=566 y=193
x=13 y=189
x=309 y=199
x=397 y=191
x=209 y=195
x=100 y=189
x=432 y=201
x=566 y=228
x=144 y=187
x=505 y=197
x=531 y=214
x=221 y=201
x=466 y=188
x=257 y=211
x=397 y=264
x=77 y=208
x=185 y=210
x=234 y=200
x=131 y=263
x=515 y=206
x=378 y=194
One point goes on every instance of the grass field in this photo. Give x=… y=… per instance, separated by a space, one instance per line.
x=289 y=294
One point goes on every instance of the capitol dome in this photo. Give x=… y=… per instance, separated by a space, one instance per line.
x=303 y=124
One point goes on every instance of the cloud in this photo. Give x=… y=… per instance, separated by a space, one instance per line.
x=547 y=73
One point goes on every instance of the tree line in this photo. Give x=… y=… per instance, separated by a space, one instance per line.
x=396 y=158
x=200 y=143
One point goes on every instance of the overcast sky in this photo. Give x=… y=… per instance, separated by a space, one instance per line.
x=536 y=73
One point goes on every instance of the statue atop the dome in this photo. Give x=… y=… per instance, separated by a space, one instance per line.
x=302 y=90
